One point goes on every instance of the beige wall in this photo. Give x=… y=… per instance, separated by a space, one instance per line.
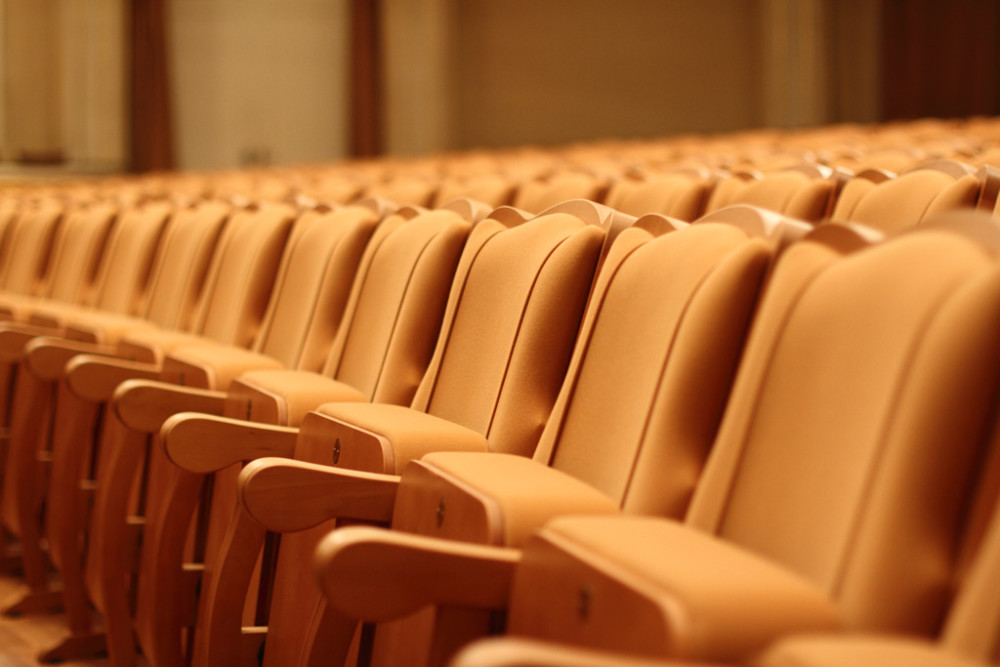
x=258 y=78
x=63 y=70
x=267 y=79
x=562 y=70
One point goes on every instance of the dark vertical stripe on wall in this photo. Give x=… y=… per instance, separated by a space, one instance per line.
x=940 y=58
x=151 y=139
x=366 y=79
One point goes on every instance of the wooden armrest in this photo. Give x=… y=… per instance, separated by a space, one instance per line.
x=374 y=574
x=15 y=336
x=380 y=437
x=287 y=496
x=47 y=356
x=695 y=595
x=95 y=378
x=144 y=405
x=206 y=443
x=498 y=499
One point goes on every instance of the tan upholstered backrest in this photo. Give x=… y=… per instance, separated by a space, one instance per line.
x=509 y=327
x=849 y=440
x=793 y=193
x=904 y=201
x=126 y=268
x=77 y=253
x=491 y=189
x=236 y=298
x=312 y=288
x=182 y=263
x=677 y=196
x=536 y=196
x=652 y=368
x=397 y=303
x=854 y=191
x=973 y=625
x=31 y=237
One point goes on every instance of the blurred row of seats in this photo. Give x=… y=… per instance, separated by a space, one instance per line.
x=673 y=414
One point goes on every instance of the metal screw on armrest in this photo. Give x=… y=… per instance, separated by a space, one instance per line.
x=440 y=513
x=336 y=451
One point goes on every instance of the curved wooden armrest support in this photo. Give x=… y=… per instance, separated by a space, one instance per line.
x=47 y=356
x=95 y=378
x=144 y=405
x=288 y=496
x=206 y=443
x=14 y=336
x=375 y=575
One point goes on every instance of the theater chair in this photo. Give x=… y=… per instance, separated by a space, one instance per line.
x=678 y=195
x=539 y=194
x=382 y=346
x=119 y=287
x=491 y=189
x=247 y=235
x=890 y=204
x=512 y=315
x=322 y=252
x=92 y=242
x=689 y=287
x=805 y=193
x=30 y=239
x=832 y=497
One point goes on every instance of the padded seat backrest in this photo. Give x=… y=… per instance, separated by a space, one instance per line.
x=397 y=303
x=125 y=275
x=856 y=420
x=491 y=189
x=235 y=302
x=678 y=196
x=312 y=289
x=182 y=264
x=511 y=320
x=77 y=253
x=31 y=237
x=652 y=369
x=791 y=192
x=538 y=195
x=908 y=199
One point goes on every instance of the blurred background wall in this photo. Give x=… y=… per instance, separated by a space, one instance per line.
x=272 y=81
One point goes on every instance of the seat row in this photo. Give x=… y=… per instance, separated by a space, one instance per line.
x=600 y=346
x=495 y=382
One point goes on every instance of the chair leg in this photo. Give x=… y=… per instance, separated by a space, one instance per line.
x=66 y=519
x=24 y=481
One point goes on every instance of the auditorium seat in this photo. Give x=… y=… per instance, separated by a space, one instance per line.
x=891 y=204
x=804 y=194
x=803 y=519
x=678 y=195
x=662 y=300
x=540 y=194
x=512 y=316
x=380 y=350
x=246 y=261
x=307 y=298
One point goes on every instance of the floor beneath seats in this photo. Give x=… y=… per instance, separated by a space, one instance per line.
x=21 y=639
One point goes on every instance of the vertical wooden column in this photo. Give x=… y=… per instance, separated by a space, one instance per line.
x=151 y=128
x=366 y=79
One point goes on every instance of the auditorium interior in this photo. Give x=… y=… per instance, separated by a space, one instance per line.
x=499 y=333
